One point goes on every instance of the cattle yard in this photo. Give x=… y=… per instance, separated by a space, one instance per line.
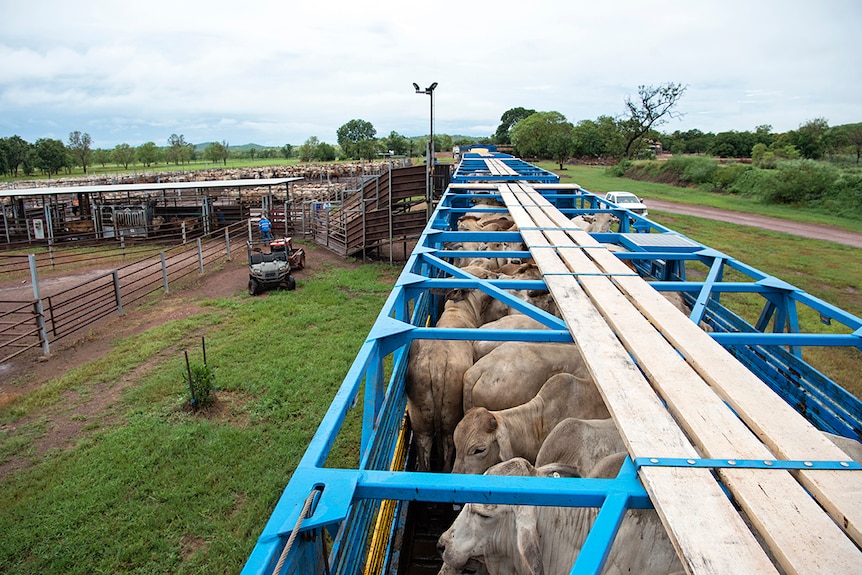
x=723 y=441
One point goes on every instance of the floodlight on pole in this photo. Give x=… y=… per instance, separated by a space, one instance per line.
x=430 y=152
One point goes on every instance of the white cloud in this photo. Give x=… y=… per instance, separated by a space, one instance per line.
x=275 y=72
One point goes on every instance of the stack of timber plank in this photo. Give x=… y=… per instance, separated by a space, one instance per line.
x=676 y=393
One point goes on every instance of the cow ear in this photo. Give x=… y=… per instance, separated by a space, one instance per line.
x=530 y=554
x=456 y=294
x=504 y=444
x=489 y=422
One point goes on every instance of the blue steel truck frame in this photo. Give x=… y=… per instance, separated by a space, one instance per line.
x=337 y=520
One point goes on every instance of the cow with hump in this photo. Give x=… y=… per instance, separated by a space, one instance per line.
x=434 y=381
x=533 y=540
x=484 y=438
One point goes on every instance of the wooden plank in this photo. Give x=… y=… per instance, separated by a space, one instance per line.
x=714 y=540
x=786 y=432
x=801 y=536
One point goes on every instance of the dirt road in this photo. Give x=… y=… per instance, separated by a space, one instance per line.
x=815 y=231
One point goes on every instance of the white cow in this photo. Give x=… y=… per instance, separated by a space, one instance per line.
x=581 y=443
x=434 y=380
x=481 y=348
x=595 y=222
x=514 y=372
x=533 y=540
x=484 y=438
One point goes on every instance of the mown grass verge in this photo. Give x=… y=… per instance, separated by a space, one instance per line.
x=157 y=488
x=598 y=180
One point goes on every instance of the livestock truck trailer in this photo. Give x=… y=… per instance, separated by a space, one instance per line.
x=725 y=425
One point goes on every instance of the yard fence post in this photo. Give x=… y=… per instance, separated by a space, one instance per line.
x=184 y=231
x=227 y=243
x=200 y=257
x=164 y=271
x=123 y=246
x=40 y=315
x=116 y=276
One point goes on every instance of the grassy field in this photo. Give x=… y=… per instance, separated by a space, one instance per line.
x=597 y=180
x=149 y=487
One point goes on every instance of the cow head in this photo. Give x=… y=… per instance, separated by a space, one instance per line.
x=477 y=445
x=498 y=535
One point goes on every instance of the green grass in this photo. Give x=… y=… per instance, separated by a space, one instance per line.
x=157 y=489
x=826 y=270
x=597 y=180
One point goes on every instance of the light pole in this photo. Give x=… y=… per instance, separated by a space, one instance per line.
x=429 y=157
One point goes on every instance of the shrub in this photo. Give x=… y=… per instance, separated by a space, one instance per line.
x=754 y=183
x=620 y=169
x=845 y=199
x=693 y=169
x=725 y=177
x=202 y=385
x=802 y=181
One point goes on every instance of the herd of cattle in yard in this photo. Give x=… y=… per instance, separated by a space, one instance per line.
x=523 y=409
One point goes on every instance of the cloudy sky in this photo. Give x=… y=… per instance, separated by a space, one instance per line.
x=272 y=72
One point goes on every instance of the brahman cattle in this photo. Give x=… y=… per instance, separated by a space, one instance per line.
x=481 y=348
x=484 y=438
x=598 y=223
x=530 y=540
x=581 y=444
x=434 y=381
x=514 y=372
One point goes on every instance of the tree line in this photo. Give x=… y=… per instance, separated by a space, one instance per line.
x=533 y=134
x=634 y=134
x=50 y=157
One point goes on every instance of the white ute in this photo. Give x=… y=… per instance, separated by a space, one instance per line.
x=628 y=201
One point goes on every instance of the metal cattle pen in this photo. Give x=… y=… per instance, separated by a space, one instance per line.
x=47 y=318
x=721 y=426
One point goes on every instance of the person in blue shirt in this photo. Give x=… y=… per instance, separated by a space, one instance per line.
x=265 y=227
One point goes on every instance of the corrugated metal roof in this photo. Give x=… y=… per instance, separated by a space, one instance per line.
x=245 y=183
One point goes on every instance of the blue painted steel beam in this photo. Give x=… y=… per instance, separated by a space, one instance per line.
x=348 y=497
x=599 y=541
x=787 y=339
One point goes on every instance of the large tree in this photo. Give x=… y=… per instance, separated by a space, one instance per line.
x=308 y=150
x=15 y=150
x=808 y=139
x=854 y=136
x=124 y=154
x=355 y=137
x=587 y=140
x=325 y=152
x=50 y=155
x=544 y=135
x=101 y=157
x=178 y=150
x=507 y=120
x=217 y=152
x=652 y=108
x=80 y=148
x=395 y=143
x=148 y=154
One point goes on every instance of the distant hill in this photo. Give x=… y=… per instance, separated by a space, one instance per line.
x=243 y=148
